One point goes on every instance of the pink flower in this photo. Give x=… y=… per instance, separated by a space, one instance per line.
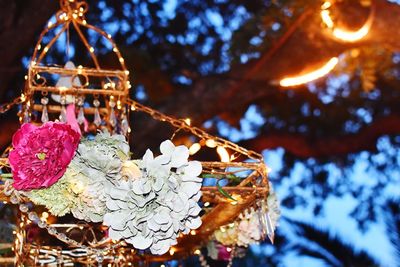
x=223 y=253
x=41 y=154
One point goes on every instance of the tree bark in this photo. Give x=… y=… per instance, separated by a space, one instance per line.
x=20 y=25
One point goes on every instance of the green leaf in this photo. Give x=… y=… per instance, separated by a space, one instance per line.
x=223 y=192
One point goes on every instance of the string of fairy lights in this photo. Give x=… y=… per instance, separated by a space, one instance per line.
x=259 y=171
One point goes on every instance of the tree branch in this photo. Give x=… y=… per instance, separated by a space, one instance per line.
x=302 y=146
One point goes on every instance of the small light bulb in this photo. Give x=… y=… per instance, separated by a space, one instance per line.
x=194 y=148
x=211 y=143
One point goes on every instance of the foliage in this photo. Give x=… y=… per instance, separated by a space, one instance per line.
x=183 y=43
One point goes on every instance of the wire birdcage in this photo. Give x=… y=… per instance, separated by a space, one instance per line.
x=109 y=92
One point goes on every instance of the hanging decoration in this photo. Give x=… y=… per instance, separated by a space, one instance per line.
x=83 y=199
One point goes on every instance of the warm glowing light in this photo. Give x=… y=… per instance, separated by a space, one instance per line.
x=193 y=232
x=171 y=251
x=326 y=18
x=211 y=143
x=206 y=204
x=311 y=76
x=194 y=148
x=326 y=5
x=342 y=34
x=350 y=36
x=44 y=216
x=223 y=154
x=63 y=88
x=228 y=249
x=188 y=121
x=197 y=252
x=268 y=169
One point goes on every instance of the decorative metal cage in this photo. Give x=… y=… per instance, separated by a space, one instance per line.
x=73 y=241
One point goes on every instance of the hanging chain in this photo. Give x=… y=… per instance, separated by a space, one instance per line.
x=181 y=124
x=7 y=106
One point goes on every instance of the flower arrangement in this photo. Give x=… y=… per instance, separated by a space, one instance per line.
x=150 y=210
x=41 y=155
x=252 y=226
x=146 y=202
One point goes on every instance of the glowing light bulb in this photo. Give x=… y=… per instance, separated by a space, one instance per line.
x=211 y=143
x=194 y=148
x=223 y=154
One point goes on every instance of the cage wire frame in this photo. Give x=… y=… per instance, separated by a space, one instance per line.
x=115 y=83
x=219 y=210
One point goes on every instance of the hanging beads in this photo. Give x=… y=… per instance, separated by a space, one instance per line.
x=125 y=129
x=45 y=115
x=63 y=113
x=97 y=118
x=81 y=113
x=112 y=119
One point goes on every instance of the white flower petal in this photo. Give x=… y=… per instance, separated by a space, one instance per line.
x=190 y=188
x=114 y=235
x=167 y=147
x=180 y=156
x=193 y=223
x=140 y=242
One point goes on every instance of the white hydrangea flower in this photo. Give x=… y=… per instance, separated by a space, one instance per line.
x=252 y=226
x=243 y=233
x=151 y=209
x=274 y=209
x=249 y=230
x=228 y=235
